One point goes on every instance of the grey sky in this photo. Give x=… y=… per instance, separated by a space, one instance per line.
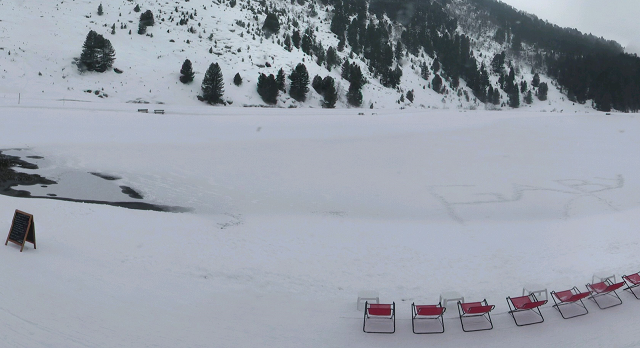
x=613 y=19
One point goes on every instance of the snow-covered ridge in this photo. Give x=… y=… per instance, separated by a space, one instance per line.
x=37 y=60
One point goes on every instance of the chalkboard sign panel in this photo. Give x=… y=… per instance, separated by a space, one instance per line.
x=22 y=230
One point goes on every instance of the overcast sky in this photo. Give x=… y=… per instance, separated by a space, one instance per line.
x=613 y=19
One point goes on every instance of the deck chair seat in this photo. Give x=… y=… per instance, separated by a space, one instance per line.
x=568 y=297
x=429 y=312
x=525 y=303
x=605 y=288
x=475 y=309
x=632 y=281
x=380 y=313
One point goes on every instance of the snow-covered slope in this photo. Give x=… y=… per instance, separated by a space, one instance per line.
x=40 y=39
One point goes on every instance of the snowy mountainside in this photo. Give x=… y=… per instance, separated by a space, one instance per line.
x=39 y=41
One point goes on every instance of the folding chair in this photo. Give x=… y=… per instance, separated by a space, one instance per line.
x=632 y=281
x=606 y=287
x=379 y=313
x=525 y=303
x=475 y=309
x=430 y=312
x=567 y=297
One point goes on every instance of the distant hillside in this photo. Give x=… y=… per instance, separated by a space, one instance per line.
x=465 y=54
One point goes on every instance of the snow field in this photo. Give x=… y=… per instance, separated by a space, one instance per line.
x=296 y=211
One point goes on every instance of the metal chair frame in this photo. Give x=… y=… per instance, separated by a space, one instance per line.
x=433 y=312
x=386 y=311
x=609 y=289
x=632 y=283
x=576 y=297
x=481 y=308
x=532 y=305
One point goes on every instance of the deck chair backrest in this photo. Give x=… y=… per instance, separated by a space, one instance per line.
x=520 y=302
x=429 y=310
x=599 y=287
x=379 y=309
x=633 y=278
x=563 y=295
x=475 y=308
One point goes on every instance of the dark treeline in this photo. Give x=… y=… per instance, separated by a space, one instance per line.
x=611 y=81
x=586 y=67
x=542 y=34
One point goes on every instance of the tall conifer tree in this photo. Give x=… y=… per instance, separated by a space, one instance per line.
x=213 y=85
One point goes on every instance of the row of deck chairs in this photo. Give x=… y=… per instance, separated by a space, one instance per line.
x=384 y=315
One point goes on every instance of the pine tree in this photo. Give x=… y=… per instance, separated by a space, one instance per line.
x=435 y=66
x=399 y=54
x=329 y=92
x=107 y=55
x=97 y=53
x=346 y=70
x=295 y=38
x=100 y=12
x=410 y=95
x=299 y=83
x=317 y=84
x=280 y=80
x=332 y=58
x=497 y=64
x=536 y=80
x=354 y=95
x=142 y=29
x=87 y=57
x=306 y=44
x=514 y=98
x=186 y=72
x=267 y=88
x=146 y=19
x=213 y=85
x=237 y=80
x=496 y=97
x=436 y=83
x=271 y=24
x=528 y=98
x=287 y=43
x=542 y=91
x=137 y=8
x=424 y=71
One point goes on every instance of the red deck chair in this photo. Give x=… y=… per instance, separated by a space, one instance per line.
x=379 y=313
x=567 y=297
x=604 y=288
x=475 y=309
x=430 y=312
x=632 y=281
x=525 y=303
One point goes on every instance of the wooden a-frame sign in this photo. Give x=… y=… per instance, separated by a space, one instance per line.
x=23 y=229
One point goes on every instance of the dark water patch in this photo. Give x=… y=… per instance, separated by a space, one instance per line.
x=131 y=192
x=9 y=178
x=35 y=157
x=105 y=176
x=128 y=205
